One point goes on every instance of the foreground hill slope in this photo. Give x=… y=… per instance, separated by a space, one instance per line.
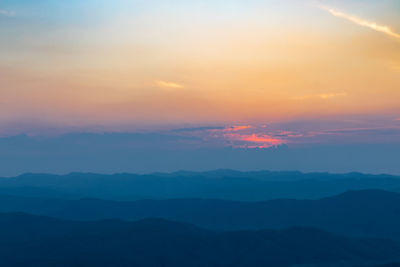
x=32 y=241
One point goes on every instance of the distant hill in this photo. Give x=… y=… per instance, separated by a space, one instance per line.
x=220 y=184
x=38 y=241
x=369 y=213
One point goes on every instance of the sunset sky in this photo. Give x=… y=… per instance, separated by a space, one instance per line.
x=143 y=64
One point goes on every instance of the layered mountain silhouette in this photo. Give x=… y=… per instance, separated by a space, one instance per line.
x=28 y=240
x=221 y=184
x=368 y=213
x=216 y=218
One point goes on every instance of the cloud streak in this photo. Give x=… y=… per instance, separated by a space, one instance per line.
x=170 y=85
x=319 y=96
x=362 y=22
x=237 y=128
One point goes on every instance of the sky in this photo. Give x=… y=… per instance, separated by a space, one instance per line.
x=257 y=73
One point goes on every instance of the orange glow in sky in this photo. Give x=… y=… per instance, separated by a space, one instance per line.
x=216 y=62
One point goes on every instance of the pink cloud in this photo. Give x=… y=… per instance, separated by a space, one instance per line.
x=253 y=140
x=261 y=136
x=237 y=128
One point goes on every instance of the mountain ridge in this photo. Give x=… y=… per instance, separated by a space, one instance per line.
x=220 y=184
x=369 y=213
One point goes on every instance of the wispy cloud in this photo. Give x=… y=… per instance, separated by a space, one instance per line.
x=6 y=13
x=319 y=96
x=253 y=140
x=236 y=128
x=295 y=134
x=362 y=22
x=169 y=85
x=246 y=136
